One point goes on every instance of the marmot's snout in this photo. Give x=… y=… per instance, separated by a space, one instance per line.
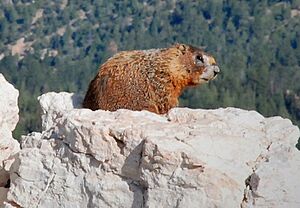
x=211 y=69
x=216 y=70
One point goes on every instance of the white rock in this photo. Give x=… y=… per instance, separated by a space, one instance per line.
x=8 y=120
x=188 y=158
x=9 y=111
x=55 y=104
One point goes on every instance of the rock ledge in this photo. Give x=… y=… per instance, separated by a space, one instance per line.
x=187 y=158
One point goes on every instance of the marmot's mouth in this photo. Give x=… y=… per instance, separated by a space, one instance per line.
x=210 y=73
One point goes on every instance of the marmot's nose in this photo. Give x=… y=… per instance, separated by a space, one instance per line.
x=216 y=70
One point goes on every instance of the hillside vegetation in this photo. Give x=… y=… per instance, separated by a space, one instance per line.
x=58 y=45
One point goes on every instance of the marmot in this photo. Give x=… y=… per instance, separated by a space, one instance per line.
x=149 y=79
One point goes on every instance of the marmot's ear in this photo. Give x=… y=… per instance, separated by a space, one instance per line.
x=181 y=47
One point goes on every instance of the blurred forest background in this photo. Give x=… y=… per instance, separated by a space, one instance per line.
x=58 y=45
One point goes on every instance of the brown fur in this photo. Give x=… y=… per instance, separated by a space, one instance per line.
x=145 y=80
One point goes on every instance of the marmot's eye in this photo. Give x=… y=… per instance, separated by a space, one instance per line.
x=199 y=60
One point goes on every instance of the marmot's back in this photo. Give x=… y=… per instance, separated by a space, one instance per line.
x=148 y=80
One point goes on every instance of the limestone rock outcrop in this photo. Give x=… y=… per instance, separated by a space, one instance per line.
x=9 y=117
x=187 y=158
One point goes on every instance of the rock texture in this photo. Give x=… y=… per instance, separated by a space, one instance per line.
x=8 y=120
x=188 y=158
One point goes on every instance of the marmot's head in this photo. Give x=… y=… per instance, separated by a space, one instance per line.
x=198 y=66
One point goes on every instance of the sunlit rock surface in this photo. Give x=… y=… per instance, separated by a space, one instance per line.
x=9 y=117
x=187 y=158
